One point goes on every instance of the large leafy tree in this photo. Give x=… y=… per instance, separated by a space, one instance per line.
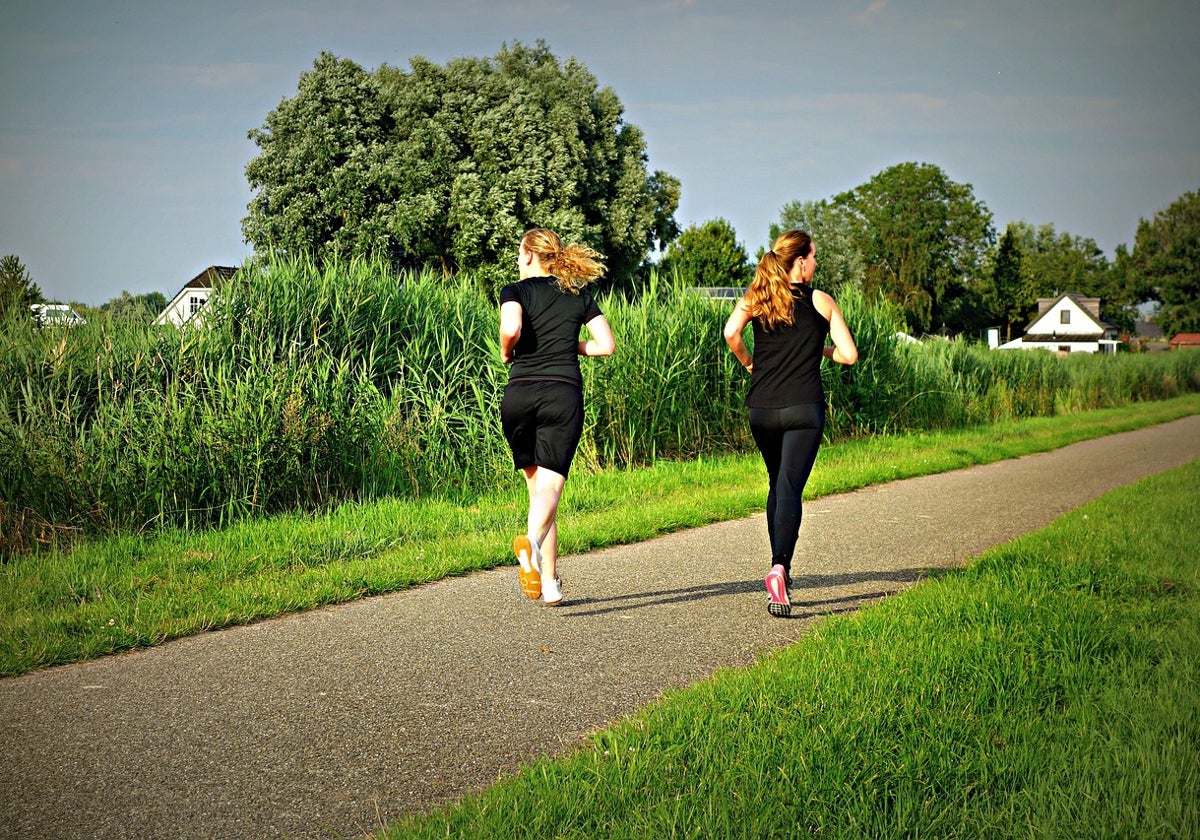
x=923 y=238
x=708 y=254
x=1166 y=256
x=17 y=290
x=839 y=260
x=445 y=166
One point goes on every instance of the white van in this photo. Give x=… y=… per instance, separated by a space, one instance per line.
x=56 y=315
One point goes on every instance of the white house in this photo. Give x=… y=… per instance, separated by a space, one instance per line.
x=1069 y=323
x=194 y=294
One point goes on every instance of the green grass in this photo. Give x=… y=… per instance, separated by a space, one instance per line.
x=313 y=386
x=126 y=592
x=1051 y=689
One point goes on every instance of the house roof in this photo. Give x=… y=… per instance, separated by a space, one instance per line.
x=211 y=277
x=1186 y=338
x=1090 y=307
x=208 y=280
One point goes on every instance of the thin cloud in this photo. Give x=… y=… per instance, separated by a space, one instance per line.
x=867 y=16
x=236 y=75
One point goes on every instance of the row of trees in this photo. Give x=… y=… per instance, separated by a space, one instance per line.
x=443 y=167
x=928 y=245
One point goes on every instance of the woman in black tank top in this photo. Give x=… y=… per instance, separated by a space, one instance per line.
x=790 y=321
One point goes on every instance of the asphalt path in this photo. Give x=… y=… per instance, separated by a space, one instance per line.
x=334 y=722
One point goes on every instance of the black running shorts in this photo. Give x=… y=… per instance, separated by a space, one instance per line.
x=543 y=422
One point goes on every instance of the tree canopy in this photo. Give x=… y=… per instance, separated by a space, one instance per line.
x=17 y=290
x=1054 y=262
x=1008 y=299
x=1166 y=259
x=922 y=237
x=839 y=261
x=708 y=255
x=446 y=166
x=137 y=308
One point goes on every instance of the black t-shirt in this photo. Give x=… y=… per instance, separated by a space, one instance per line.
x=787 y=359
x=550 y=321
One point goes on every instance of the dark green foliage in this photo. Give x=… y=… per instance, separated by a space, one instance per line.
x=1009 y=300
x=304 y=387
x=708 y=255
x=1053 y=263
x=444 y=167
x=128 y=307
x=922 y=237
x=1166 y=255
x=17 y=289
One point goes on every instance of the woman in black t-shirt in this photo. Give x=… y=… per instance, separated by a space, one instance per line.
x=786 y=399
x=542 y=407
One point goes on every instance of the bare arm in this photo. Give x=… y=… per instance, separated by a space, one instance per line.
x=602 y=342
x=510 y=329
x=733 y=334
x=844 y=351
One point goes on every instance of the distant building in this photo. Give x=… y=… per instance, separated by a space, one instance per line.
x=195 y=293
x=1069 y=323
x=1183 y=340
x=56 y=315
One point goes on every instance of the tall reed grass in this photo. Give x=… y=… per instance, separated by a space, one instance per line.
x=306 y=387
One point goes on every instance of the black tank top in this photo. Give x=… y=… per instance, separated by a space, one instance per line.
x=787 y=359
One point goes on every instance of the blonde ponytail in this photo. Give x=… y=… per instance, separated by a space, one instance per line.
x=769 y=298
x=573 y=266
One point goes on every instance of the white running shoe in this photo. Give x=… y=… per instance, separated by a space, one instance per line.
x=552 y=591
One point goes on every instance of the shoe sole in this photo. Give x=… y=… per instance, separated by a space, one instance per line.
x=528 y=574
x=778 y=604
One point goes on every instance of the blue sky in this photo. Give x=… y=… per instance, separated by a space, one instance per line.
x=123 y=141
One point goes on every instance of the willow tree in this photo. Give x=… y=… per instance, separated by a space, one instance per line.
x=445 y=166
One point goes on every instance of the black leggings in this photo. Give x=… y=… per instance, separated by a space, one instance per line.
x=788 y=439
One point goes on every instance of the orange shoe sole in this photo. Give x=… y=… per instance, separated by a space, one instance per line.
x=528 y=573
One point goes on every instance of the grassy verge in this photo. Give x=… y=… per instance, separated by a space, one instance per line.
x=1051 y=689
x=129 y=592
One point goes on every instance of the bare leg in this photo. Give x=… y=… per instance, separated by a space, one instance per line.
x=545 y=489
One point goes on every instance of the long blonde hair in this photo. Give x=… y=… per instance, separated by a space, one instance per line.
x=769 y=297
x=573 y=266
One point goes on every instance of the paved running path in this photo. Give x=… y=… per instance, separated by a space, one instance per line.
x=334 y=722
